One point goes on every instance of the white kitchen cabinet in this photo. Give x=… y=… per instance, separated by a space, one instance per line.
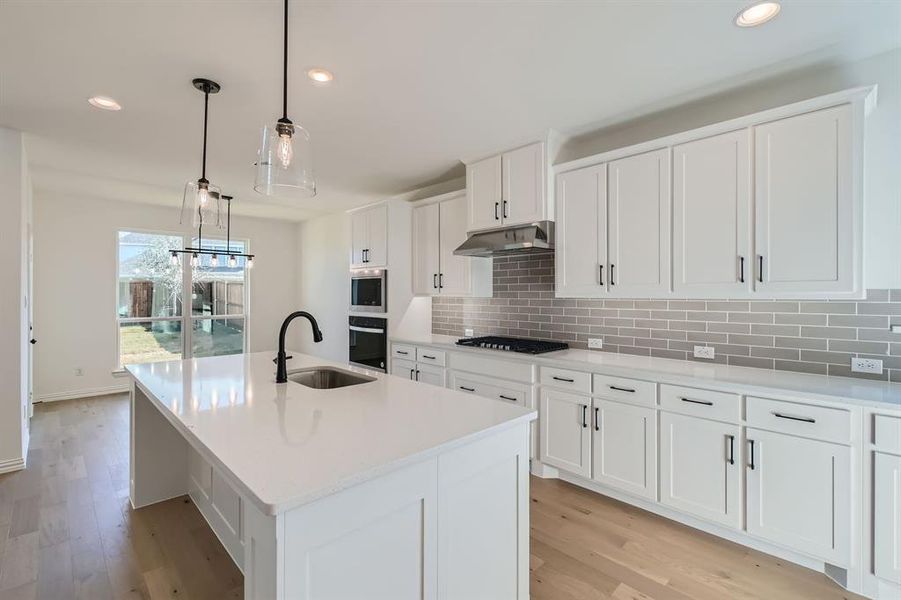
x=424 y=371
x=439 y=227
x=491 y=387
x=639 y=224
x=700 y=468
x=581 y=247
x=369 y=237
x=806 y=219
x=430 y=374
x=565 y=438
x=799 y=494
x=712 y=216
x=219 y=502
x=624 y=447
x=887 y=516
x=508 y=189
x=403 y=368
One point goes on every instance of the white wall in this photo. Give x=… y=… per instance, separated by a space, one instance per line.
x=882 y=176
x=75 y=285
x=15 y=196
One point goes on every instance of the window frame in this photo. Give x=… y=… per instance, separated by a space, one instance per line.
x=187 y=316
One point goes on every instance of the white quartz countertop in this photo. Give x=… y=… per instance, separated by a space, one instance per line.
x=746 y=380
x=285 y=445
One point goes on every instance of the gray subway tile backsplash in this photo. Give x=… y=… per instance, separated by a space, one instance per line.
x=809 y=336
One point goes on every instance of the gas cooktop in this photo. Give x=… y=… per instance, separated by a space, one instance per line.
x=513 y=344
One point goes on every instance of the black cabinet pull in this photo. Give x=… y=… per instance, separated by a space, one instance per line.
x=463 y=387
x=585 y=416
x=611 y=275
x=440 y=281
x=751 y=464
x=502 y=397
x=601 y=274
x=411 y=373
x=435 y=280
x=597 y=418
x=704 y=402
x=505 y=209
x=417 y=374
x=563 y=379
x=496 y=205
x=621 y=389
x=403 y=352
x=741 y=269
x=794 y=418
x=731 y=449
x=760 y=268
x=428 y=357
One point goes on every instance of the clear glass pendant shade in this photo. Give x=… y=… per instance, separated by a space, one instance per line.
x=203 y=202
x=285 y=162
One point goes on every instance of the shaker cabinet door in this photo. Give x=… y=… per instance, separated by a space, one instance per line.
x=581 y=252
x=523 y=188
x=425 y=250
x=565 y=437
x=483 y=193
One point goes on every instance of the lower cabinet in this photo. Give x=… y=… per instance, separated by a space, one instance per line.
x=700 y=470
x=403 y=368
x=418 y=372
x=887 y=516
x=565 y=438
x=624 y=447
x=219 y=503
x=799 y=493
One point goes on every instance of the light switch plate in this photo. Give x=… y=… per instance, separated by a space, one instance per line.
x=866 y=365
x=596 y=343
x=467 y=333
x=708 y=352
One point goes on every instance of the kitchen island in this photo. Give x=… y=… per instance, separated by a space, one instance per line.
x=386 y=488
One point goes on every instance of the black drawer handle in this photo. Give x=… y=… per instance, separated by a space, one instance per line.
x=428 y=357
x=597 y=418
x=502 y=397
x=760 y=268
x=751 y=464
x=411 y=373
x=794 y=418
x=584 y=416
x=496 y=218
x=704 y=402
x=600 y=274
x=401 y=352
x=741 y=271
x=731 y=459
x=611 y=275
x=621 y=389
x=564 y=379
x=463 y=387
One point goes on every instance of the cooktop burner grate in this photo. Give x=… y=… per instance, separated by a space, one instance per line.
x=513 y=344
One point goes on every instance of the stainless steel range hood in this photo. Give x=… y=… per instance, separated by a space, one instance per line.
x=509 y=240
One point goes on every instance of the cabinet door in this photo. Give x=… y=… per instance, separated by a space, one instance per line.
x=377 y=246
x=359 y=223
x=804 y=197
x=403 y=368
x=582 y=232
x=887 y=516
x=711 y=215
x=799 y=494
x=624 y=447
x=639 y=228
x=430 y=374
x=523 y=189
x=483 y=193
x=425 y=250
x=565 y=436
x=454 y=271
x=700 y=468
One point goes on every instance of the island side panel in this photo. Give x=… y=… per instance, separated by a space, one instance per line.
x=159 y=454
x=483 y=518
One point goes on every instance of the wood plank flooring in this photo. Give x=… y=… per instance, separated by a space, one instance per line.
x=67 y=532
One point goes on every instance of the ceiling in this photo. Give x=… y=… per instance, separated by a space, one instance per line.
x=419 y=85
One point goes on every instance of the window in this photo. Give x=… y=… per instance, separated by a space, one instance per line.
x=154 y=325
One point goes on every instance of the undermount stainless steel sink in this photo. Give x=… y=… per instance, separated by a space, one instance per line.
x=326 y=378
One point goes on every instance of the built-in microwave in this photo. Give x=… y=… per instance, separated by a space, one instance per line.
x=369 y=290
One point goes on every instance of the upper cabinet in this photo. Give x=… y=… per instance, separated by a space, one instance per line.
x=369 y=237
x=439 y=227
x=582 y=232
x=508 y=189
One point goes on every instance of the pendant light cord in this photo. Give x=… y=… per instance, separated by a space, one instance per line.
x=285 y=68
x=206 y=109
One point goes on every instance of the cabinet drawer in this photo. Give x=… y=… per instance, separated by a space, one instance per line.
x=490 y=388
x=887 y=433
x=403 y=352
x=566 y=379
x=707 y=404
x=820 y=422
x=470 y=386
x=633 y=391
x=430 y=356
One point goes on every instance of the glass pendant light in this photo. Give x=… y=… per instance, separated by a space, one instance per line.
x=285 y=161
x=201 y=197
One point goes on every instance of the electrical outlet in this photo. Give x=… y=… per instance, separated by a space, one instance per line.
x=707 y=352
x=79 y=371
x=467 y=332
x=895 y=328
x=866 y=365
x=596 y=343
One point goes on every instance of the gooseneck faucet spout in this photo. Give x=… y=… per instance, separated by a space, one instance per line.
x=281 y=372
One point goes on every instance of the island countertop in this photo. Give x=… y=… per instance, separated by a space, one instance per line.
x=285 y=445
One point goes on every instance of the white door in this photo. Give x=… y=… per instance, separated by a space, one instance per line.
x=565 y=439
x=624 y=447
x=377 y=248
x=639 y=227
x=711 y=216
x=523 y=189
x=403 y=368
x=799 y=493
x=804 y=198
x=425 y=250
x=887 y=516
x=454 y=275
x=430 y=374
x=483 y=193
x=700 y=468
x=581 y=220
x=359 y=223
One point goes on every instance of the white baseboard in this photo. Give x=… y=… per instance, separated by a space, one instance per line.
x=14 y=464
x=85 y=393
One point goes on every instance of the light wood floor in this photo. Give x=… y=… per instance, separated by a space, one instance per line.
x=68 y=532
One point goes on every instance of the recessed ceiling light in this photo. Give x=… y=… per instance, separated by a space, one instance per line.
x=757 y=14
x=104 y=102
x=320 y=75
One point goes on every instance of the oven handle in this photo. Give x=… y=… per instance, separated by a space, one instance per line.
x=366 y=329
